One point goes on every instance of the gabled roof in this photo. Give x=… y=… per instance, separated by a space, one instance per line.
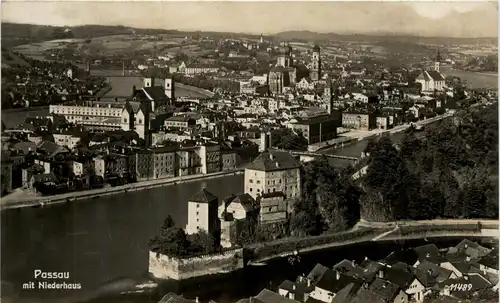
x=478 y=282
x=428 y=252
x=435 y=75
x=491 y=261
x=173 y=298
x=385 y=289
x=399 y=277
x=429 y=273
x=156 y=93
x=317 y=272
x=365 y=295
x=272 y=160
x=408 y=256
x=247 y=202
x=298 y=289
x=204 y=196
x=347 y=293
x=466 y=243
x=268 y=296
x=333 y=280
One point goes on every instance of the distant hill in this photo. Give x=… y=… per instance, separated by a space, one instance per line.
x=9 y=58
x=312 y=36
x=16 y=34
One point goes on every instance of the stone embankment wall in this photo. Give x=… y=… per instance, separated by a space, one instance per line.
x=165 y=267
x=122 y=189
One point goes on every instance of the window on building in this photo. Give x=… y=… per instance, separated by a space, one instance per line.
x=197 y=205
x=251 y=181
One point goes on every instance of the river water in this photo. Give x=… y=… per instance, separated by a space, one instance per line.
x=95 y=241
x=105 y=240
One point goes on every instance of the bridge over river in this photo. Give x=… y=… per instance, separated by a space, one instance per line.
x=307 y=156
x=258 y=254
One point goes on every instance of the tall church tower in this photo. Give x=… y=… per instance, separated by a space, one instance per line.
x=438 y=61
x=170 y=89
x=316 y=64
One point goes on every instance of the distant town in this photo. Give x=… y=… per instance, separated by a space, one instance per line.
x=100 y=132
x=84 y=117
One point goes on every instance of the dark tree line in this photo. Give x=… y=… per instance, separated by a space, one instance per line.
x=329 y=201
x=449 y=173
x=173 y=241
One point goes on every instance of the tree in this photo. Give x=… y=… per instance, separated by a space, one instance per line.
x=387 y=184
x=246 y=234
x=202 y=242
x=285 y=138
x=171 y=241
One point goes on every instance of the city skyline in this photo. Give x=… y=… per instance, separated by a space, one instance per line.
x=450 y=19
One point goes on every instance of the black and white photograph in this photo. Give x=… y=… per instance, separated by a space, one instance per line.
x=249 y=151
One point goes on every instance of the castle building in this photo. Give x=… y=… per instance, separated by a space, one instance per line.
x=203 y=213
x=316 y=64
x=273 y=171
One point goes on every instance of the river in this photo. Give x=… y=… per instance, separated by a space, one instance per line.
x=105 y=240
x=95 y=241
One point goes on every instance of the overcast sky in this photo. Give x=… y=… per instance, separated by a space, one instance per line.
x=470 y=19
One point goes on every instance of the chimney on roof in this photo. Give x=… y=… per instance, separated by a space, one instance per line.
x=353 y=263
x=197 y=300
x=429 y=272
x=293 y=287
x=381 y=273
x=337 y=275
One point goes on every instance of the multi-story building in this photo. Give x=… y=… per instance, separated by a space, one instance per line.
x=144 y=165
x=181 y=121
x=210 y=155
x=112 y=164
x=203 y=213
x=164 y=162
x=358 y=119
x=66 y=140
x=317 y=129
x=115 y=115
x=273 y=171
x=273 y=208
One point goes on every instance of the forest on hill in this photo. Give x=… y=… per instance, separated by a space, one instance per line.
x=450 y=172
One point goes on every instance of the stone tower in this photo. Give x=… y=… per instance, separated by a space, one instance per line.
x=316 y=64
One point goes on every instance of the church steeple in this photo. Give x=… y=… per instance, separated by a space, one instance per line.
x=438 y=61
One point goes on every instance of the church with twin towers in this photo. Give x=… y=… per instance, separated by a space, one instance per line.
x=286 y=73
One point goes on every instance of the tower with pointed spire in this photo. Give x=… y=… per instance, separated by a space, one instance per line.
x=438 y=61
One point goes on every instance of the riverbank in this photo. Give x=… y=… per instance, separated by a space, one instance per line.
x=37 y=201
x=355 y=136
x=371 y=231
x=163 y=267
